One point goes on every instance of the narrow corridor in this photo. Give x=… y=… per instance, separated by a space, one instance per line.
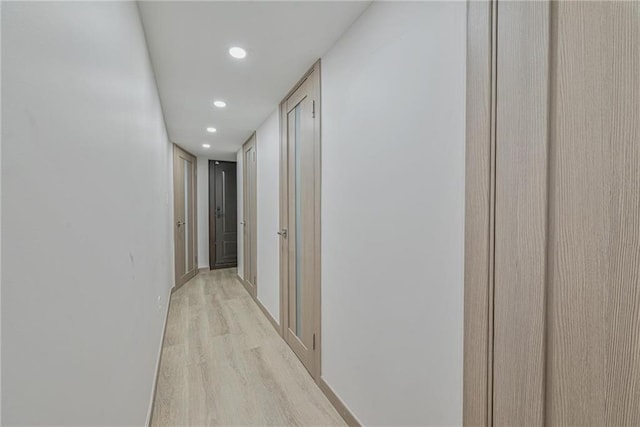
x=224 y=364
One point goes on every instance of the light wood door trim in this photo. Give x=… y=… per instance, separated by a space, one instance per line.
x=479 y=213
x=565 y=214
x=314 y=74
x=249 y=216
x=178 y=191
x=504 y=279
x=522 y=126
x=284 y=219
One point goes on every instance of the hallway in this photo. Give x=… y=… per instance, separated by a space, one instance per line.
x=224 y=364
x=319 y=213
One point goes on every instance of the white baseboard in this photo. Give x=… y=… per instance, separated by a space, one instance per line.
x=155 y=378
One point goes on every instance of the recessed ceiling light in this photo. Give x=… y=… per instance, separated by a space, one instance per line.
x=206 y=145
x=220 y=104
x=211 y=130
x=237 y=52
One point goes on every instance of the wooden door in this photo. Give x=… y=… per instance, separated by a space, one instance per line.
x=184 y=211
x=554 y=126
x=250 y=218
x=301 y=220
x=223 y=229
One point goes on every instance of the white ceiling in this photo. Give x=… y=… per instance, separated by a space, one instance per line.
x=189 y=43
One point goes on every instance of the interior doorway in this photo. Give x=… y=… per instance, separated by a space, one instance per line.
x=250 y=220
x=223 y=229
x=300 y=220
x=184 y=212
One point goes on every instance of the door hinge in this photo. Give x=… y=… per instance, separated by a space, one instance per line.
x=314 y=341
x=313 y=110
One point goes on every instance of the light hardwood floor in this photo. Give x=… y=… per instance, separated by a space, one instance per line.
x=224 y=364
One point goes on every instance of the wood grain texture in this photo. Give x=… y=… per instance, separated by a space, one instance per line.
x=302 y=215
x=249 y=215
x=184 y=270
x=284 y=199
x=223 y=364
x=594 y=303
x=521 y=212
x=479 y=186
x=305 y=99
x=566 y=301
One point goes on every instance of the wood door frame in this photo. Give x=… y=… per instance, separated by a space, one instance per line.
x=252 y=288
x=284 y=216
x=212 y=218
x=177 y=152
x=480 y=183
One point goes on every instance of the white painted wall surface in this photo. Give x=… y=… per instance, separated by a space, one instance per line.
x=392 y=214
x=239 y=174
x=268 y=213
x=203 y=212
x=86 y=215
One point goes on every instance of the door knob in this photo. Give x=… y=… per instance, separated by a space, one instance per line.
x=282 y=233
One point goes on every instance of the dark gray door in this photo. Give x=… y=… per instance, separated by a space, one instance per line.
x=223 y=230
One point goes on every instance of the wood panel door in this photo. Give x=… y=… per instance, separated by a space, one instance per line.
x=184 y=211
x=223 y=228
x=558 y=207
x=300 y=219
x=250 y=221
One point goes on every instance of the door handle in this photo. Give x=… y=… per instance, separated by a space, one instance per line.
x=179 y=223
x=282 y=233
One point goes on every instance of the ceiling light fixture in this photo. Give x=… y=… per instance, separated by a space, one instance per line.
x=206 y=145
x=220 y=104
x=211 y=130
x=237 y=52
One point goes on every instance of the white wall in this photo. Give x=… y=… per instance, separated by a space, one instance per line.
x=268 y=213
x=86 y=215
x=203 y=212
x=393 y=106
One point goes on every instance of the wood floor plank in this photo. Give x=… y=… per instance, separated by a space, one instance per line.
x=224 y=364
